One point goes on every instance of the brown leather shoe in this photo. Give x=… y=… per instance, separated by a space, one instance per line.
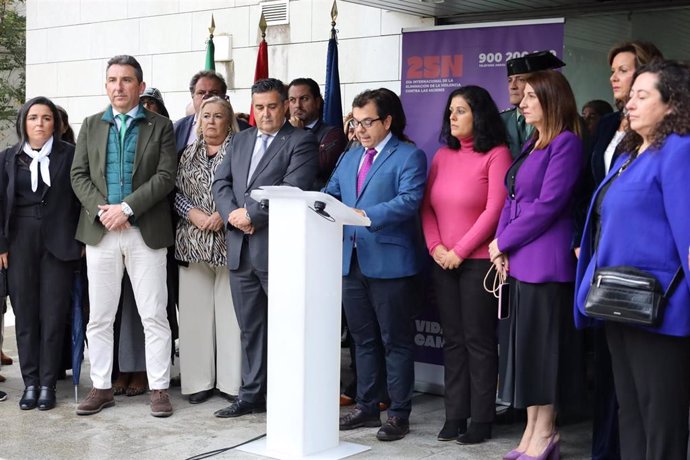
x=4 y=359
x=160 y=403
x=96 y=401
x=345 y=400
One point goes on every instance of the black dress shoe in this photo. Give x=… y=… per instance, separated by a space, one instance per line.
x=452 y=429
x=200 y=396
x=46 y=398
x=395 y=428
x=357 y=417
x=476 y=433
x=239 y=408
x=29 y=398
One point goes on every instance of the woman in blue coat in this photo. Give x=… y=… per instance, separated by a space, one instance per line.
x=639 y=217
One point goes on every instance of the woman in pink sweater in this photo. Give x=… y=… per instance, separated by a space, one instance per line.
x=463 y=201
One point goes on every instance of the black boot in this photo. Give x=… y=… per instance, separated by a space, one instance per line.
x=46 y=399
x=476 y=433
x=452 y=429
x=29 y=398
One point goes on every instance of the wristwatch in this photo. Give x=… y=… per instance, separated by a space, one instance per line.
x=246 y=215
x=126 y=209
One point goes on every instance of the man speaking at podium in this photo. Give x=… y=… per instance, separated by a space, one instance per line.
x=383 y=180
x=273 y=153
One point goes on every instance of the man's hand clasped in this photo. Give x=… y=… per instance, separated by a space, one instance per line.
x=238 y=219
x=113 y=218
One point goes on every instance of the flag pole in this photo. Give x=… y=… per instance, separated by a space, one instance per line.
x=333 y=109
x=210 y=47
x=261 y=70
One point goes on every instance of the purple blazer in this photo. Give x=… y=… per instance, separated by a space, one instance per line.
x=536 y=225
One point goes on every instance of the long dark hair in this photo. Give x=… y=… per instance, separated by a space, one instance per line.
x=673 y=85
x=24 y=111
x=488 y=129
x=557 y=103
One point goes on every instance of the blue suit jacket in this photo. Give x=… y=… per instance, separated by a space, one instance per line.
x=645 y=224
x=391 y=195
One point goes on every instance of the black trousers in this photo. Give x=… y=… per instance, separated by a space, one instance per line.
x=605 y=444
x=468 y=318
x=40 y=292
x=652 y=379
x=380 y=316
x=250 y=296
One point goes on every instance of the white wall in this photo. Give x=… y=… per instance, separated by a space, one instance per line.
x=70 y=41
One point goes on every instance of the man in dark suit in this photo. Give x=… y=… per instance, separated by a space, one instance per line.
x=204 y=84
x=124 y=168
x=384 y=180
x=273 y=153
x=306 y=110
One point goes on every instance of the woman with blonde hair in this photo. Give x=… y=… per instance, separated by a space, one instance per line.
x=209 y=333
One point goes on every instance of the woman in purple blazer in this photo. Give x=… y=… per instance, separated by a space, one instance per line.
x=639 y=217
x=533 y=245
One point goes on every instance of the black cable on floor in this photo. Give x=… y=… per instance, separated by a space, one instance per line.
x=224 y=449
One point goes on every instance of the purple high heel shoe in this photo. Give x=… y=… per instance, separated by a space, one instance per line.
x=552 y=451
x=513 y=455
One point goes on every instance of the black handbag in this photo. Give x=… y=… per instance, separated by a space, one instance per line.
x=628 y=295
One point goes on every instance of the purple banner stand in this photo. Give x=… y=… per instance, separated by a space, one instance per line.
x=435 y=61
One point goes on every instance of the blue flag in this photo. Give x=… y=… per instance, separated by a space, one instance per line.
x=332 y=108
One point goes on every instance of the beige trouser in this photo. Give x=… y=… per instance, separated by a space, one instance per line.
x=147 y=271
x=209 y=334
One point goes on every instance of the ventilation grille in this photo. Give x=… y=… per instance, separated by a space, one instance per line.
x=276 y=12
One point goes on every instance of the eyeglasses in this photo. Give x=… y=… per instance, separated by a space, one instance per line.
x=366 y=123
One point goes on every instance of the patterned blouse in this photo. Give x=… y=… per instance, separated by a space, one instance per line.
x=194 y=179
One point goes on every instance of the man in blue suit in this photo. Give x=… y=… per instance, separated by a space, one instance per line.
x=384 y=180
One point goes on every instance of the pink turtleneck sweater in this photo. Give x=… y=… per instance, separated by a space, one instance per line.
x=465 y=194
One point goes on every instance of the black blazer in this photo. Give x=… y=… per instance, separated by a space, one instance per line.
x=60 y=211
x=606 y=129
x=182 y=128
x=594 y=170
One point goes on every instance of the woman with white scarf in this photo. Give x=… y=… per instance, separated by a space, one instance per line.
x=38 y=220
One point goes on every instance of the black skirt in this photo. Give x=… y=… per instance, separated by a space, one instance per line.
x=536 y=323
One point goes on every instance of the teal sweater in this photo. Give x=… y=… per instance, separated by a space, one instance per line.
x=120 y=165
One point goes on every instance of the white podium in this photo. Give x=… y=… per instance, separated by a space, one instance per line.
x=304 y=312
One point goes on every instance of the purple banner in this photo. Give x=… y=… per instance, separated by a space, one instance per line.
x=436 y=62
